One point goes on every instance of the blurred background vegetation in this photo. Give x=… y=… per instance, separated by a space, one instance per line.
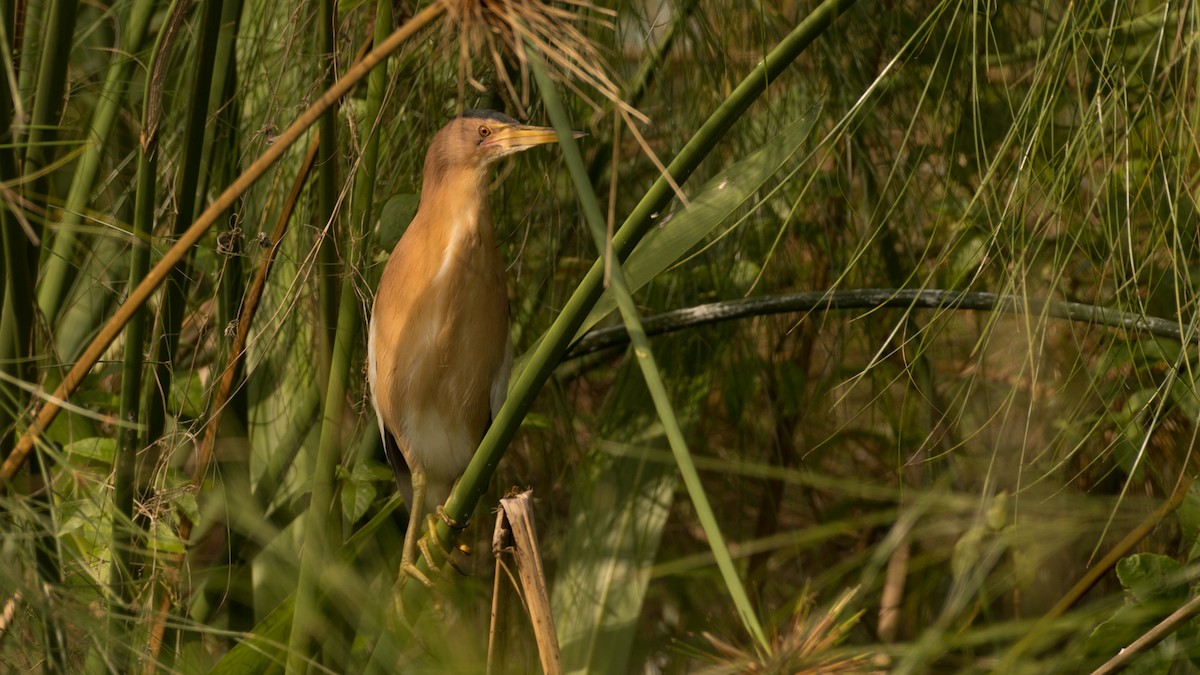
x=899 y=489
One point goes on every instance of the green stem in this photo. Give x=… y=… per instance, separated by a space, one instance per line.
x=362 y=203
x=45 y=116
x=61 y=265
x=877 y=298
x=27 y=43
x=283 y=454
x=222 y=166
x=125 y=462
x=645 y=359
x=364 y=181
x=124 y=528
x=323 y=522
x=51 y=83
x=16 y=312
x=175 y=292
x=327 y=189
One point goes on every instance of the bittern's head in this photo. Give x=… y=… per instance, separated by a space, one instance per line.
x=478 y=138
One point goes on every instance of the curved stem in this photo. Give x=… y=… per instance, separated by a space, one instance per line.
x=877 y=298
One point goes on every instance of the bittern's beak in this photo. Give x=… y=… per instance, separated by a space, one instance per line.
x=522 y=136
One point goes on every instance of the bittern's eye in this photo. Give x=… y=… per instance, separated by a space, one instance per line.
x=484 y=132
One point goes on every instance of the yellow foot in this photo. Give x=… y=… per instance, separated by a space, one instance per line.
x=435 y=552
x=444 y=556
x=408 y=570
x=454 y=524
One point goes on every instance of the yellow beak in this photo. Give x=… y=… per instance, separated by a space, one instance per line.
x=521 y=136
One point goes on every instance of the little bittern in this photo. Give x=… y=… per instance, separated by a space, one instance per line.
x=439 y=350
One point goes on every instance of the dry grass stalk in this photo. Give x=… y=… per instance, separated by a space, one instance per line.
x=515 y=533
x=496 y=29
x=806 y=646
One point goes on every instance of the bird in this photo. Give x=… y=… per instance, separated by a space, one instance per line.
x=439 y=349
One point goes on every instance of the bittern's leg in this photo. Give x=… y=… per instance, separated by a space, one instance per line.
x=415 y=517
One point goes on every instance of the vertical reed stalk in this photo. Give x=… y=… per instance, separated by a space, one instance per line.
x=646 y=361
x=16 y=315
x=124 y=525
x=61 y=264
x=232 y=591
x=338 y=330
x=175 y=291
x=327 y=192
x=45 y=115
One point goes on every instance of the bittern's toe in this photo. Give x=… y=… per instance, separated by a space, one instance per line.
x=427 y=550
x=454 y=524
x=410 y=570
x=436 y=555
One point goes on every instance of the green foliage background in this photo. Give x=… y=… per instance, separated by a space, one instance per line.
x=897 y=489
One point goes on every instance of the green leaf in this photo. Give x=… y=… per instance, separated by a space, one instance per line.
x=358 y=491
x=618 y=511
x=394 y=216
x=1152 y=577
x=164 y=539
x=967 y=553
x=1117 y=632
x=187 y=393
x=537 y=421
x=94 y=449
x=1189 y=635
x=1158 y=586
x=185 y=501
x=262 y=651
x=619 y=506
